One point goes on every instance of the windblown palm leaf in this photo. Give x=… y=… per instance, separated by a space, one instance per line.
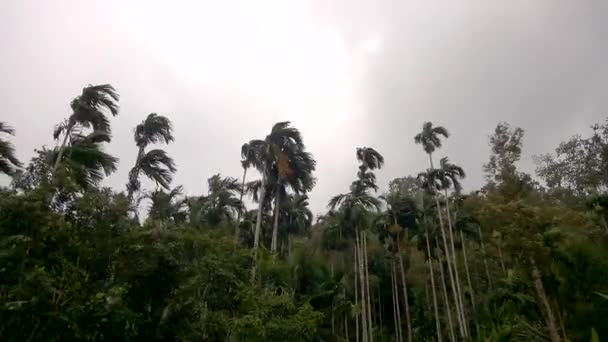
x=8 y=160
x=158 y=166
x=84 y=160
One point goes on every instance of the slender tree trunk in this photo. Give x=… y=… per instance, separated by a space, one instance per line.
x=433 y=289
x=134 y=173
x=380 y=308
x=468 y=274
x=449 y=264
x=275 y=226
x=485 y=257
x=560 y=318
x=447 y=302
x=355 y=272
x=365 y=333
x=395 y=307
x=542 y=296
x=346 y=328
x=68 y=131
x=461 y=312
x=366 y=266
x=397 y=301
x=258 y=224
x=405 y=296
x=501 y=258
x=238 y=215
x=333 y=324
x=450 y=272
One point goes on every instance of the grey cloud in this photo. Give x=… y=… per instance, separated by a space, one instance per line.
x=225 y=72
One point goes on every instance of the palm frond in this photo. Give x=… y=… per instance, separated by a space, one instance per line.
x=158 y=166
x=4 y=128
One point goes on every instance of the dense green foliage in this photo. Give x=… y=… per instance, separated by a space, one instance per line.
x=525 y=258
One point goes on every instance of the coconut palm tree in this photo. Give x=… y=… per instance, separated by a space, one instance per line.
x=8 y=160
x=154 y=164
x=430 y=139
x=84 y=161
x=89 y=110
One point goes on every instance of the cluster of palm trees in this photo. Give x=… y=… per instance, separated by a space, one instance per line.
x=286 y=169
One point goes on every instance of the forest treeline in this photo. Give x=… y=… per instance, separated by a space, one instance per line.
x=524 y=258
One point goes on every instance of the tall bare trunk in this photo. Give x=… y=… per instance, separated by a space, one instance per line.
x=346 y=328
x=485 y=257
x=468 y=274
x=405 y=296
x=542 y=297
x=238 y=215
x=449 y=264
x=397 y=301
x=355 y=272
x=461 y=310
x=447 y=302
x=365 y=333
x=433 y=289
x=395 y=306
x=68 y=131
x=369 y=304
x=134 y=173
x=450 y=272
x=380 y=308
x=333 y=318
x=501 y=258
x=258 y=224
x=275 y=225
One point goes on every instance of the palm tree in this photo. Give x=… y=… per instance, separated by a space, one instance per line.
x=89 y=110
x=430 y=139
x=155 y=164
x=399 y=210
x=167 y=205
x=449 y=175
x=84 y=161
x=221 y=203
x=296 y=216
x=354 y=207
x=281 y=155
x=249 y=157
x=8 y=160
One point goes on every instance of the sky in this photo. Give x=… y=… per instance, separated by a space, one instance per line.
x=346 y=73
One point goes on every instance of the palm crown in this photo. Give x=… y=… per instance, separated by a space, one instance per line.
x=89 y=110
x=430 y=137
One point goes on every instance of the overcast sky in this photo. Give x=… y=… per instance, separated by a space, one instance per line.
x=347 y=73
